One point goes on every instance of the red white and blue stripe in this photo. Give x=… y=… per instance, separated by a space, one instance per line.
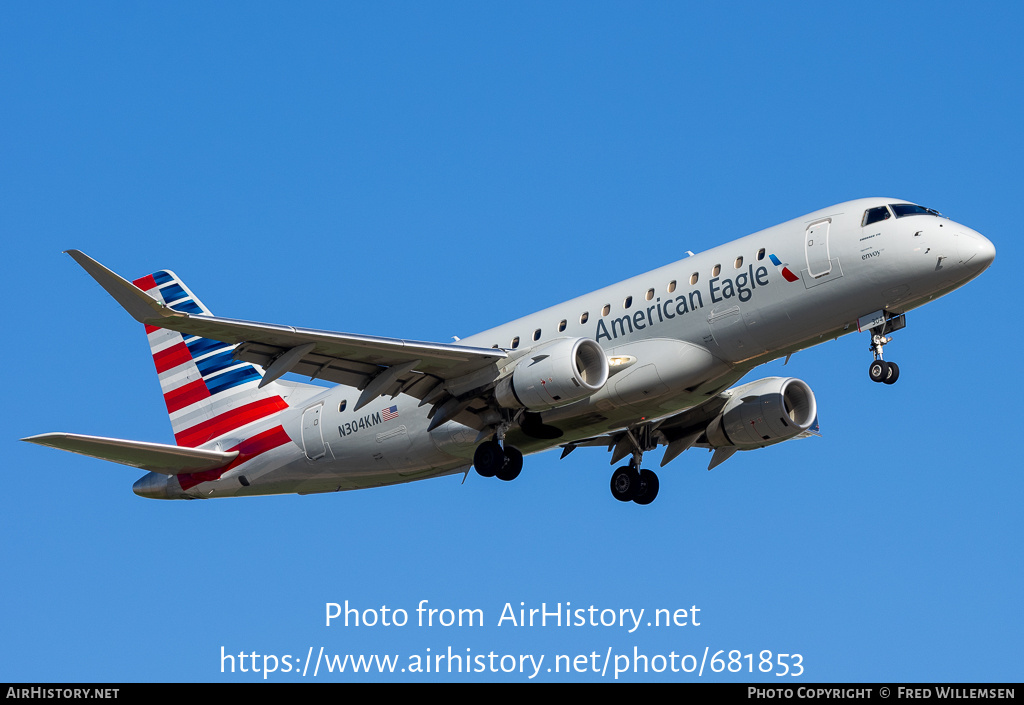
x=210 y=396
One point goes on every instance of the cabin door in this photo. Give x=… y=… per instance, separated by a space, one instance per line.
x=816 y=247
x=312 y=433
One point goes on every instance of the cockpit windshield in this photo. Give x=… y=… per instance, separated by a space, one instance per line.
x=903 y=209
x=874 y=215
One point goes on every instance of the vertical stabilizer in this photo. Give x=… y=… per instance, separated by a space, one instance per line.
x=209 y=394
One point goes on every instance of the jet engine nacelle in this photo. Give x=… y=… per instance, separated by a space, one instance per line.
x=555 y=374
x=764 y=412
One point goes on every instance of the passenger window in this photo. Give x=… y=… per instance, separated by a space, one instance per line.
x=628 y=302
x=693 y=278
x=561 y=326
x=738 y=263
x=649 y=295
x=342 y=405
x=874 y=215
x=606 y=310
x=760 y=254
x=672 y=286
x=717 y=270
x=515 y=342
x=536 y=334
x=584 y=317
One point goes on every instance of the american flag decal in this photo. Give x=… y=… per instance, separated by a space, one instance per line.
x=389 y=413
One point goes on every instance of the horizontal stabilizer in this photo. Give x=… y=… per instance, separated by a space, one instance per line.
x=156 y=457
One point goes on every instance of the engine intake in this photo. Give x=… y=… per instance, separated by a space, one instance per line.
x=763 y=413
x=554 y=374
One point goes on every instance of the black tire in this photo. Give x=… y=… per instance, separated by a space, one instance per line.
x=648 y=489
x=894 y=373
x=513 y=465
x=625 y=483
x=878 y=371
x=489 y=458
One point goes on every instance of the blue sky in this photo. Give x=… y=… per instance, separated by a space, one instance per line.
x=430 y=170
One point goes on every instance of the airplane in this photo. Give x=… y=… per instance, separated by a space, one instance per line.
x=648 y=362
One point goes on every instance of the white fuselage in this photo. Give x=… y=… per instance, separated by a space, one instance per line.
x=681 y=333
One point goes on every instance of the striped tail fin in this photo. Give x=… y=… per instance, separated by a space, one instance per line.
x=209 y=395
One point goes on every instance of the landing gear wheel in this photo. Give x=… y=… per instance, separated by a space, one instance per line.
x=879 y=371
x=489 y=458
x=512 y=467
x=894 y=373
x=625 y=483
x=648 y=488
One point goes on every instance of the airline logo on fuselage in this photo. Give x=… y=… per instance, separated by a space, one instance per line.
x=719 y=289
x=784 y=269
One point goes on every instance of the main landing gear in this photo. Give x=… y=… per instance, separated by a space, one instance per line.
x=630 y=484
x=496 y=459
x=492 y=460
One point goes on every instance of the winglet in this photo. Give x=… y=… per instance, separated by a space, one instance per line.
x=142 y=307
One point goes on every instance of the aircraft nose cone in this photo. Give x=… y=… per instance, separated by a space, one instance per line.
x=976 y=251
x=152 y=486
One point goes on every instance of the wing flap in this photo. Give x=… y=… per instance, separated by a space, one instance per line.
x=156 y=457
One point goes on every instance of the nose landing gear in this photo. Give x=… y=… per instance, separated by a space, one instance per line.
x=880 y=370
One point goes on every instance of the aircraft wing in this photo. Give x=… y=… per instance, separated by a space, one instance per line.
x=679 y=432
x=157 y=457
x=375 y=365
